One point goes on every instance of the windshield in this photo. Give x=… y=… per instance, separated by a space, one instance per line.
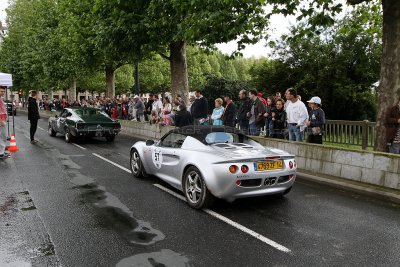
x=88 y=112
x=221 y=137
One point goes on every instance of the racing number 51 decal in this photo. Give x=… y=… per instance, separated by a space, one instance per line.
x=157 y=157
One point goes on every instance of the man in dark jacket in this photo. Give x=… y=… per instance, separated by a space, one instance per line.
x=256 y=114
x=148 y=107
x=33 y=115
x=183 y=117
x=199 y=108
x=229 y=115
x=244 y=108
x=392 y=124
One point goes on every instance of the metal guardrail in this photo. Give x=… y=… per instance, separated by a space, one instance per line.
x=358 y=133
x=350 y=132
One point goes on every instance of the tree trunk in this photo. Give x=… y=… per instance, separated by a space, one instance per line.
x=110 y=81
x=136 y=74
x=179 y=74
x=72 y=90
x=389 y=87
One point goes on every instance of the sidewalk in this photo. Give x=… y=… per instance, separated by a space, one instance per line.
x=386 y=194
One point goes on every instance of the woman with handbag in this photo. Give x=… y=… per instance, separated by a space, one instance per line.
x=316 y=121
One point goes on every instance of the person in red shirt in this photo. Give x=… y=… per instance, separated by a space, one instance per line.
x=260 y=95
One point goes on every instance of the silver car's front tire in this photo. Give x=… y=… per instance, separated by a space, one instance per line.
x=195 y=189
x=136 y=164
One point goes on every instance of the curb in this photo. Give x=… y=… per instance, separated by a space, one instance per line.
x=364 y=189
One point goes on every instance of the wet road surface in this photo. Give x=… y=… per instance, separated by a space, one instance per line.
x=65 y=204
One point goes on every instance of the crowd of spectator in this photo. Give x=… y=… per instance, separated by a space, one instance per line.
x=272 y=116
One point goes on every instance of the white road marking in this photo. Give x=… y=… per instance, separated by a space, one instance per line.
x=42 y=129
x=113 y=163
x=81 y=147
x=231 y=223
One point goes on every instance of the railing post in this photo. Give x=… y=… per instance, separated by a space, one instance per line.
x=365 y=134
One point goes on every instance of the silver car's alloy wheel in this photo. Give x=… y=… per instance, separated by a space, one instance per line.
x=194 y=187
x=135 y=163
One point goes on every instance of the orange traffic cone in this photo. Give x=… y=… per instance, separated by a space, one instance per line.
x=13 y=144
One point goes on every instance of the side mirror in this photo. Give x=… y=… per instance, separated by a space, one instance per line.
x=149 y=142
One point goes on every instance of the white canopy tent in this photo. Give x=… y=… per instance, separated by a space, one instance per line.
x=5 y=79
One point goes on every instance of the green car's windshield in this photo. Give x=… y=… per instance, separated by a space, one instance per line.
x=88 y=112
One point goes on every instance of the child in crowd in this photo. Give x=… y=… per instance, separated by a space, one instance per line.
x=217 y=112
x=154 y=118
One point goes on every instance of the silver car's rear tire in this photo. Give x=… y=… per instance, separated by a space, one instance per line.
x=195 y=189
x=136 y=165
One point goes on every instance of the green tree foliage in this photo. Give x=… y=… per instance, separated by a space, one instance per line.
x=339 y=65
x=216 y=87
x=203 y=23
x=123 y=79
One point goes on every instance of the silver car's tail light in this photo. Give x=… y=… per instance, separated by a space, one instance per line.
x=291 y=176
x=290 y=165
x=233 y=169
x=295 y=164
x=238 y=182
x=244 y=168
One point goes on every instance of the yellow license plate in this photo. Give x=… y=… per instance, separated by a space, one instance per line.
x=268 y=165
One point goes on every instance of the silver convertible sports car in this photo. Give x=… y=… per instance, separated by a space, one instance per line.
x=208 y=162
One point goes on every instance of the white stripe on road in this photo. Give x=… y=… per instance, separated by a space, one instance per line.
x=212 y=213
x=81 y=147
x=231 y=223
x=42 y=129
x=113 y=163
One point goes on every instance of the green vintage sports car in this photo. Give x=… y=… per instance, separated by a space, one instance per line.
x=80 y=122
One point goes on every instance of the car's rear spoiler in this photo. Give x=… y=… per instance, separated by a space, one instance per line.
x=270 y=158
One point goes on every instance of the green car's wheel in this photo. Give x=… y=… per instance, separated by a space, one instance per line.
x=51 y=131
x=68 y=136
x=110 y=138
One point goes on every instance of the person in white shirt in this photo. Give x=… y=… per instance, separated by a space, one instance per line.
x=297 y=116
x=157 y=105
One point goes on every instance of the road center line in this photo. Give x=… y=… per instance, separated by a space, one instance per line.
x=81 y=147
x=113 y=163
x=231 y=223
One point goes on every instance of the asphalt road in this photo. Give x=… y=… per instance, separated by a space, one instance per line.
x=76 y=205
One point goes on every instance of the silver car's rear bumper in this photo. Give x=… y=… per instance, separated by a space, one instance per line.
x=225 y=185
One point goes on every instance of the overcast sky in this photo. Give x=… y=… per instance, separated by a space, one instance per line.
x=3 y=6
